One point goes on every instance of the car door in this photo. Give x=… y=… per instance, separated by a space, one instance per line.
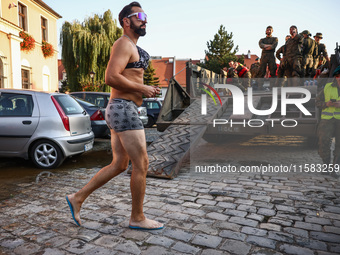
x=19 y=118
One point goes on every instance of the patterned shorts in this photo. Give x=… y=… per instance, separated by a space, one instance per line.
x=122 y=115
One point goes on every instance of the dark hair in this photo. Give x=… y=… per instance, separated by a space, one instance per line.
x=126 y=11
x=269 y=27
x=293 y=27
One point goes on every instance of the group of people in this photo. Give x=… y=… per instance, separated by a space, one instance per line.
x=300 y=57
x=303 y=57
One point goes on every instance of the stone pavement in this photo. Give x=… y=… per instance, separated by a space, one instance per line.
x=231 y=214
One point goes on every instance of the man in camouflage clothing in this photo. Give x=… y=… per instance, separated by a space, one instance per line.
x=309 y=51
x=244 y=75
x=328 y=100
x=255 y=68
x=293 y=57
x=268 y=45
x=321 y=51
x=254 y=72
x=281 y=70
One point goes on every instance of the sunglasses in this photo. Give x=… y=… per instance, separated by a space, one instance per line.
x=140 y=15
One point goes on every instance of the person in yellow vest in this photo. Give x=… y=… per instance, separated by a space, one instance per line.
x=328 y=100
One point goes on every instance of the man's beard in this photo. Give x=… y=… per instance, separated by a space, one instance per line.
x=138 y=30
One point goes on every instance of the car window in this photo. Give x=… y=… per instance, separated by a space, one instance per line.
x=79 y=95
x=12 y=104
x=98 y=100
x=69 y=104
x=85 y=103
x=152 y=105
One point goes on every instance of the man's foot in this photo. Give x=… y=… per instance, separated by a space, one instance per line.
x=146 y=225
x=75 y=208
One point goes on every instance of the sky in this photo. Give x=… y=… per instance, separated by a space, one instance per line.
x=182 y=28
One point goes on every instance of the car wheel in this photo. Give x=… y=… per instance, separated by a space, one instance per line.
x=151 y=122
x=46 y=154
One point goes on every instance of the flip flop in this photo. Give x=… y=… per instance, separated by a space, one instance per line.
x=140 y=228
x=71 y=208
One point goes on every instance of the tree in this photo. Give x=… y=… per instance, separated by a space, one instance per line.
x=149 y=76
x=86 y=47
x=220 y=51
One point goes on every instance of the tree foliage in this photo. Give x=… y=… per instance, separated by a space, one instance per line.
x=149 y=76
x=86 y=47
x=220 y=51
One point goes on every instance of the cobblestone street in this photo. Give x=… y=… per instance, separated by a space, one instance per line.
x=228 y=214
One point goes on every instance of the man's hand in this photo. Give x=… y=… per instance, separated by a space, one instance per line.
x=336 y=104
x=150 y=91
x=333 y=104
x=268 y=47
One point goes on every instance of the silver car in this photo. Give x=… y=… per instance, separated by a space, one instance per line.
x=43 y=127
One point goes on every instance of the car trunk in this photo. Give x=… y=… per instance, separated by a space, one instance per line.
x=75 y=119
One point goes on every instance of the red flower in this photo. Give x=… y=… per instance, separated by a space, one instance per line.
x=28 y=43
x=47 y=49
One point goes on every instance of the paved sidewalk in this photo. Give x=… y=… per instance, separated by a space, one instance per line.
x=234 y=214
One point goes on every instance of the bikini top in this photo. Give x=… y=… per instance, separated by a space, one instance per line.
x=143 y=58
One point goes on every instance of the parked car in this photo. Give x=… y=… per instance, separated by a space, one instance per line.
x=97 y=117
x=101 y=99
x=153 y=107
x=43 y=127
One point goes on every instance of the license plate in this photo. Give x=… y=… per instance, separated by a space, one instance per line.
x=88 y=146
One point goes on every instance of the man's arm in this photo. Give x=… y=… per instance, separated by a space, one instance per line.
x=279 y=52
x=120 y=55
x=274 y=44
x=315 y=52
x=261 y=44
x=320 y=100
x=324 y=51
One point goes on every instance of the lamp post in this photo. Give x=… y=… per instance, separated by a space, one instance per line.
x=92 y=77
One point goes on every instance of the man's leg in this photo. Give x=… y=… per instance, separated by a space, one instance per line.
x=297 y=72
x=309 y=67
x=272 y=69
x=134 y=144
x=336 y=152
x=262 y=70
x=325 y=133
x=118 y=165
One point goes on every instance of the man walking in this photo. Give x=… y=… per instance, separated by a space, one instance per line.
x=328 y=100
x=268 y=45
x=124 y=74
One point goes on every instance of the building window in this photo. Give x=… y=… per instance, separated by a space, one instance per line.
x=44 y=29
x=25 y=77
x=22 y=16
